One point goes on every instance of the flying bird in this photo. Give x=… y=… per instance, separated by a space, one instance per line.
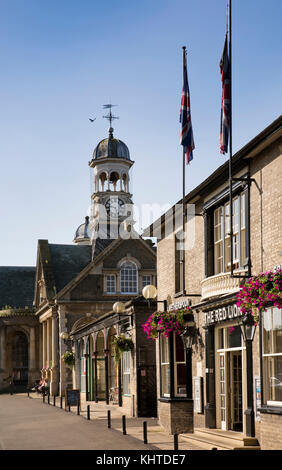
x=92 y=120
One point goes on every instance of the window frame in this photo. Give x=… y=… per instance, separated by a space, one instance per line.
x=268 y=403
x=172 y=367
x=123 y=281
x=114 y=278
x=239 y=202
x=126 y=372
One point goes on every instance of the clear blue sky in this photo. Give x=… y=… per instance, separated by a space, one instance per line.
x=62 y=60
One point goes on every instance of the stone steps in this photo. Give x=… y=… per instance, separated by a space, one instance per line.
x=222 y=440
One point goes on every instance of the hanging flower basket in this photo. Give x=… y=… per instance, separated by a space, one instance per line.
x=260 y=292
x=68 y=359
x=165 y=322
x=121 y=344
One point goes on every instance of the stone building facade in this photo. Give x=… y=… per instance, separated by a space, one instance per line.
x=108 y=262
x=19 y=346
x=219 y=363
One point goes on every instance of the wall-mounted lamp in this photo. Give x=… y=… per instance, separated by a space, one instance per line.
x=150 y=292
x=119 y=308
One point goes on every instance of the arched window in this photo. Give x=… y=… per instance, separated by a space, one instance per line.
x=129 y=278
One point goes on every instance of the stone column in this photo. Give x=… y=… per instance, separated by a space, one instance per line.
x=55 y=352
x=3 y=356
x=44 y=344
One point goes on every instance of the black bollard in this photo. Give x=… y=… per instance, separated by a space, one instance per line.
x=145 y=432
x=69 y=408
x=78 y=409
x=124 y=425
x=88 y=412
x=109 y=418
x=43 y=397
x=28 y=392
x=61 y=402
x=48 y=398
x=54 y=400
x=175 y=436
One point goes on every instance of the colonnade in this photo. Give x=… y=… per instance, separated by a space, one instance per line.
x=50 y=351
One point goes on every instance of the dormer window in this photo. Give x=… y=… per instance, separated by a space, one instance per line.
x=128 y=278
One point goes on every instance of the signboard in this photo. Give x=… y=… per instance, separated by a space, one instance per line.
x=257 y=390
x=198 y=394
x=72 y=397
x=180 y=304
x=222 y=314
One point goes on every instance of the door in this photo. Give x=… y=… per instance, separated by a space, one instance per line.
x=236 y=410
x=147 y=391
x=20 y=359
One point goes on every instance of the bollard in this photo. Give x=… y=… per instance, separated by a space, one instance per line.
x=145 y=432
x=109 y=418
x=48 y=399
x=69 y=408
x=43 y=397
x=88 y=412
x=61 y=402
x=175 y=436
x=124 y=425
x=28 y=392
x=78 y=410
x=54 y=400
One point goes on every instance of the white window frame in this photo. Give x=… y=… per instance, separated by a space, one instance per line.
x=111 y=284
x=124 y=283
x=271 y=355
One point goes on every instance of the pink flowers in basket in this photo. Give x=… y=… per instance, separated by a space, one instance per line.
x=165 y=323
x=260 y=292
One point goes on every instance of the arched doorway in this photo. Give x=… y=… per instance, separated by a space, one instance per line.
x=113 y=368
x=20 y=359
x=101 y=366
x=82 y=367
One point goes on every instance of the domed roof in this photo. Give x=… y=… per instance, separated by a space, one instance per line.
x=83 y=232
x=111 y=148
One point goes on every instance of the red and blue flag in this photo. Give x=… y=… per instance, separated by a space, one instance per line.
x=186 y=136
x=225 y=101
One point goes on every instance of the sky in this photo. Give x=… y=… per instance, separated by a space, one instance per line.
x=62 y=60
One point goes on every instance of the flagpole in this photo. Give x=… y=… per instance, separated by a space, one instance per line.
x=183 y=200
x=230 y=144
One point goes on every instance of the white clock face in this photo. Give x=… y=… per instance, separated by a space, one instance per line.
x=115 y=207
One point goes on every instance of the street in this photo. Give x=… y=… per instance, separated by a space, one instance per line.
x=28 y=424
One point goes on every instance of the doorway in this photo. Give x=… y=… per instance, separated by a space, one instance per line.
x=236 y=411
x=20 y=360
x=230 y=396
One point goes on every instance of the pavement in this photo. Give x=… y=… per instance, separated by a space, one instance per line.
x=27 y=423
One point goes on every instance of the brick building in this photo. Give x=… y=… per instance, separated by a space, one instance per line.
x=217 y=394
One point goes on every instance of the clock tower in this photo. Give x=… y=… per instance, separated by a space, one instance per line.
x=111 y=198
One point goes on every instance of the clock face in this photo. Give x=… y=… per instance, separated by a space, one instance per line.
x=115 y=207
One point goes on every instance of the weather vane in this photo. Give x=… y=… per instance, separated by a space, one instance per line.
x=110 y=116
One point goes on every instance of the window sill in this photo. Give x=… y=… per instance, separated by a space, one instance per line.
x=175 y=399
x=273 y=410
x=180 y=294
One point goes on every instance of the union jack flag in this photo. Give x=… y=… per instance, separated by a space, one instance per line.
x=225 y=100
x=186 y=136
